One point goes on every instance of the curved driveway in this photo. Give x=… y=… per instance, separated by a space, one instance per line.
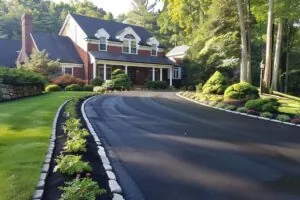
x=165 y=148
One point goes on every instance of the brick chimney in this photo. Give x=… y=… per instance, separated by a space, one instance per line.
x=26 y=30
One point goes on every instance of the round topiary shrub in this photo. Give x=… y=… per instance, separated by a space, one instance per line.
x=65 y=80
x=265 y=105
x=269 y=107
x=88 y=88
x=283 y=118
x=241 y=91
x=97 y=81
x=73 y=87
x=216 y=84
x=52 y=88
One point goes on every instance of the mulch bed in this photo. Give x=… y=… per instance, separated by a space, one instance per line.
x=57 y=179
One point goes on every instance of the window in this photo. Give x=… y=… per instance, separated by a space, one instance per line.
x=129 y=44
x=102 y=44
x=126 y=46
x=176 y=73
x=154 y=50
x=67 y=70
x=100 y=72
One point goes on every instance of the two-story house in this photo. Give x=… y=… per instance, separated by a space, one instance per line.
x=89 y=47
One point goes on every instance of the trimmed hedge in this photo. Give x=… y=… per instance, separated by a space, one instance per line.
x=73 y=87
x=20 y=77
x=52 y=88
x=241 y=91
x=65 y=80
x=88 y=88
x=156 y=84
x=216 y=84
x=97 y=82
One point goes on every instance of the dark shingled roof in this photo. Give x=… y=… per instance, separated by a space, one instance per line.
x=91 y=25
x=8 y=52
x=57 y=47
x=102 y=55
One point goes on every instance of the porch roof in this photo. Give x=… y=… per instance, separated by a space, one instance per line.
x=102 y=55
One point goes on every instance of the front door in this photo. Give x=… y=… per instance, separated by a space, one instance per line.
x=141 y=75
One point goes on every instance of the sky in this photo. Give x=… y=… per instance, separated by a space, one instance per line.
x=116 y=7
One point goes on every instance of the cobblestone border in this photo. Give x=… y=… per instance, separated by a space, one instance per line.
x=39 y=189
x=239 y=113
x=113 y=183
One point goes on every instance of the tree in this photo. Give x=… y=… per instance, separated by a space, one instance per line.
x=268 y=66
x=244 y=44
x=39 y=62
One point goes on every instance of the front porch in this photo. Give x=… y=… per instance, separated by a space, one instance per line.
x=139 y=73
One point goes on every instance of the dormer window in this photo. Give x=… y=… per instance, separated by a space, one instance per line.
x=153 y=50
x=129 y=44
x=103 y=44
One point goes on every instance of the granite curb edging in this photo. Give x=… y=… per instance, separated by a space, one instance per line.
x=112 y=180
x=39 y=189
x=238 y=113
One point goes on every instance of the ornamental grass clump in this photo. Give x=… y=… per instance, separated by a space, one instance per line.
x=75 y=145
x=71 y=164
x=242 y=110
x=216 y=84
x=266 y=115
x=283 y=118
x=81 y=189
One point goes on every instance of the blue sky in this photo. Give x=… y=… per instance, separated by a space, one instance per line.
x=114 y=6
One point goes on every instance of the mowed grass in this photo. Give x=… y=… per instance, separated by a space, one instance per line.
x=25 y=128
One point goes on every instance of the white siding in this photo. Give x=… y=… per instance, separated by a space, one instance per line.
x=73 y=30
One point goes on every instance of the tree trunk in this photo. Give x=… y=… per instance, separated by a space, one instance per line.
x=249 y=70
x=275 y=76
x=268 y=66
x=244 y=60
x=286 y=84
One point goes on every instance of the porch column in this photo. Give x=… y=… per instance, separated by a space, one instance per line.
x=171 y=76
x=104 y=73
x=153 y=74
x=94 y=69
x=161 y=75
x=126 y=71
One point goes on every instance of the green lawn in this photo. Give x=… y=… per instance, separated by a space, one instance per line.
x=25 y=127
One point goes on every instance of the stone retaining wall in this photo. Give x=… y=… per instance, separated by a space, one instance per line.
x=9 y=92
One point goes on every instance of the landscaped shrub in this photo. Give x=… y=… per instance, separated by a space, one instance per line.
x=71 y=124
x=99 y=89
x=78 y=133
x=81 y=189
x=75 y=145
x=88 y=88
x=221 y=105
x=97 y=81
x=242 y=110
x=20 y=77
x=156 y=84
x=253 y=112
x=66 y=80
x=216 y=84
x=212 y=103
x=108 y=85
x=121 y=81
x=230 y=107
x=241 y=91
x=199 y=87
x=73 y=87
x=265 y=105
x=71 y=164
x=283 y=118
x=183 y=88
x=70 y=109
x=266 y=115
x=52 y=88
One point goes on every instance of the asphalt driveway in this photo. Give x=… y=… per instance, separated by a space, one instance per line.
x=166 y=148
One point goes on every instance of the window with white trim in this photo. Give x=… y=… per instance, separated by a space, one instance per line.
x=129 y=44
x=176 y=73
x=67 y=70
x=100 y=72
x=103 y=44
x=154 y=50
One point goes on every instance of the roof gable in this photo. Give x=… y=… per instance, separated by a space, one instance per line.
x=91 y=25
x=9 y=52
x=57 y=47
